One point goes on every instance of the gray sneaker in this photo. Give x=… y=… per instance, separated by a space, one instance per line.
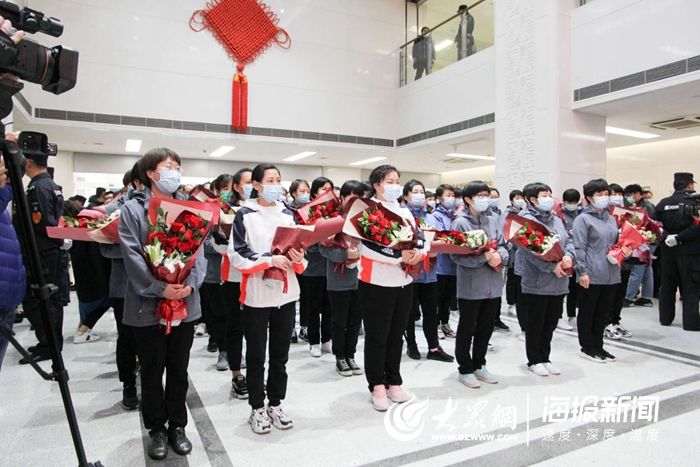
x=222 y=362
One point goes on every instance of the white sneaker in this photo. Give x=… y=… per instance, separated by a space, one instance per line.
x=327 y=347
x=200 y=330
x=491 y=348
x=86 y=337
x=611 y=333
x=315 y=351
x=622 y=331
x=552 y=369
x=448 y=331
x=539 y=369
x=469 y=380
x=564 y=325
x=259 y=421
x=279 y=418
x=511 y=310
x=572 y=322
x=380 y=401
x=485 y=376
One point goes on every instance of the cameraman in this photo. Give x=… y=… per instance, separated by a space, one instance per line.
x=680 y=259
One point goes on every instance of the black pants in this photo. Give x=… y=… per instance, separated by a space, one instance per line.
x=420 y=69
x=255 y=323
x=545 y=311
x=476 y=319
x=385 y=313
x=303 y=303
x=522 y=308
x=231 y=292
x=619 y=300
x=214 y=309
x=447 y=288
x=593 y=315
x=158 y=353
x=51 y=266
x=572 y=298
x=92 y=319
x=126 y=347
x=425 y=296
x=513 y=288
x=319 y=310
x=679 y=271
x=347 y=317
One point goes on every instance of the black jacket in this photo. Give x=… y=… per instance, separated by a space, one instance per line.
x=670 y=211
x=45 y=208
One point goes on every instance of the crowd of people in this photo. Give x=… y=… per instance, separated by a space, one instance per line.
x=251 y=321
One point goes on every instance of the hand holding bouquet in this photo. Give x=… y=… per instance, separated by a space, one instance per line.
x=88 y=226
x=452 y=242
x=631 y=238
x=534 y=238
x=368 y=220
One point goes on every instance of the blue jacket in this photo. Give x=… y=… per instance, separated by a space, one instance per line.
x=441 y=218
x=421 y=213
x=12 y=275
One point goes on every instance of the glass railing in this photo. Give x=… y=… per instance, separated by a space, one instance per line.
x=454 y=38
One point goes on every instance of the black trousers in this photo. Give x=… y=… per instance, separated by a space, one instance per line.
x=447 y=290
x=126 y=347
x=231 y=292
x=159 y=353
x=679 y=271
x=619 y=300
x=385 y=313
x=318 y=309
x=303 y=303
x=545 y=311
x=51 y=266
x=256 y=322
x=420 y=69
x=572 y=298
x=347 y=317
x=522 y=308
x=425 y=296
x=513 y=288
x=476 y=319
x=214 y=309
x=593 y=315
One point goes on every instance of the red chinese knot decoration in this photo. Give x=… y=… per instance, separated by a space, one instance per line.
x=246 y=28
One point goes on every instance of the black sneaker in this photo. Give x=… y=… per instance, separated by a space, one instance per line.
x=606 y=355
x=645 y=302
x=294 y=338
x=158 y=449
x=501 y=326
x=342 y=367
x=129 y=399
x=303 y=334
x=413 y=352
x=239 y=387
x=212 y=347
x=440 y=355
x=356 y=370
x=19 y=317
x=35 y=357
x=592 y=356
x=178 y=440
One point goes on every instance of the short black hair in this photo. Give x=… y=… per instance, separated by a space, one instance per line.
x=513 y=194
x=533 y=190
x=429 y=194
x=221 y=181
x=473 y=188
x=462 y=7
x=352 y=187
x=594 y=186
x=135 y=175
x=632 y=189
x=379 y=173
x=318 y=183
x=615 y=188
x=150 y=161
x=494 y=189
x=80 y=198
x=572 y=195
x=258 y=173
x=408 y=187
x=441 y=189
x=101 y=191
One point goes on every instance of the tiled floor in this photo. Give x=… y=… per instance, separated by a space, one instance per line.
x=335 y=425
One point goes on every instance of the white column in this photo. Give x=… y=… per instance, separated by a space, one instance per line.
x=538 y=136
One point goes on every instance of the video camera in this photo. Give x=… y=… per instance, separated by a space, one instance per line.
x=691 y=206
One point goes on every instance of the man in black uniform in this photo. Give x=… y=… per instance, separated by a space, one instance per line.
x=46 y=208
x=680 y=259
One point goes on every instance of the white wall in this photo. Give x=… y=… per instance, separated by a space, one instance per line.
x=615 y=38
x=461 y=177
x=141 y=58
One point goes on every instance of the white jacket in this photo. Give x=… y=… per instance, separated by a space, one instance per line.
x=249 y=250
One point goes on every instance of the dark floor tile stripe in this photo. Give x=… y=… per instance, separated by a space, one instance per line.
x=213 y=445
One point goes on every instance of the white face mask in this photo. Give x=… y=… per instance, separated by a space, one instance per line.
x=431 y=203
x=392 y=192
x=481 y=203
x=571 y=207
x=601 y=202
x=519 y=204
x=417 y=200
x=545 y=203
x=617 y=200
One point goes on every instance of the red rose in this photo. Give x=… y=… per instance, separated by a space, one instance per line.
x=376 y=237
x=386 y=240
x=372 y=218
x=379 y=214
x=335 y=214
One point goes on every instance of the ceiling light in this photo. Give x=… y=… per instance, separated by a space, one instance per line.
x=368 y=161
x=443 y=45
x=300 y=156
x=133 y=145
x=222 y=151
x=471 y=156
x=631 y=133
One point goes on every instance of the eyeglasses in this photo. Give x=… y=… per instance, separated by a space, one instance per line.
x=172 y=167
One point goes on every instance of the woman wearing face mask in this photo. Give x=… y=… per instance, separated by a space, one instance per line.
x=479 y=286
x=385 y=292
x=266 y=304
x=517 y=204
x=594 y=233
x=495 y=200
x=231 y=290
x=160 y=170
x=300 y=191
x=571 y=209
x=545 y=284
x=430 y=202
x=341 y=283
x=315 y=293
x=425 y=289
x=614 y=330
x=446 y=269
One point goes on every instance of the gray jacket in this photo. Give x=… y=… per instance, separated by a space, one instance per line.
x=594 y=234
x=476 y=280
x=214 y=247
x=538 y=276
x=338 y=278
x=143 y=290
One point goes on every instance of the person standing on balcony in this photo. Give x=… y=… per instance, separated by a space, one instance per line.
x=465 y=33
x=423 y=53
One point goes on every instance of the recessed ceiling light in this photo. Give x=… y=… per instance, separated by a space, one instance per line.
x=443 y=45
x=222 y=151
x=631 y=133
x=301 y=155
x=133 y=145
x=368 y=161
x=471 y=156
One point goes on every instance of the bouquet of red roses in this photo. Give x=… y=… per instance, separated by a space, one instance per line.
x=630 y=237
x=176 y=232
x=647 y=227
x=453 y=242
x=227 y=214
x=325 y=206
x=88 y=226
x=370 y=221
x=534 y=238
